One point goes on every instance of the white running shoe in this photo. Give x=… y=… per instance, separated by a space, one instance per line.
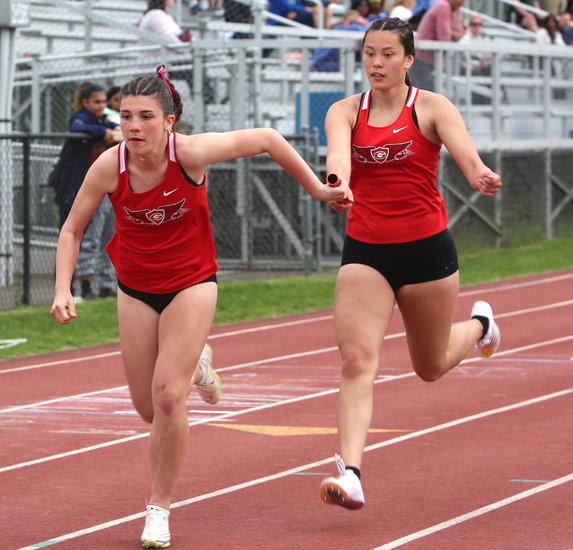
x=156 y=531
x=344 y=489
x=210 y=388
x=487 y=345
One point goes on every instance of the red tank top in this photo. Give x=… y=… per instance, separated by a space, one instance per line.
x=393 y=180
x=163 y=240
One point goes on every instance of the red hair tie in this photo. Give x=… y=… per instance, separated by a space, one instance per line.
x=166 y=77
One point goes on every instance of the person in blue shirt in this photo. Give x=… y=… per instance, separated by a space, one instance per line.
x=77 y=156
x=299 y=11
x=565 y=28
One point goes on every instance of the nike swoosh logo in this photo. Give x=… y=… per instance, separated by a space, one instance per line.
x=396 y=130
x=167 y=193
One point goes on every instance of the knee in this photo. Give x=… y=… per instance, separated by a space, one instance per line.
x=166 y=400
x=429 y=372
x=357 y=362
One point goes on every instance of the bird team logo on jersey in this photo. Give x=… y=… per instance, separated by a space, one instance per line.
x=380 y=155
x=160 y=215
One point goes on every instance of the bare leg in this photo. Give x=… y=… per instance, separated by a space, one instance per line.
x=160 y=354
x=363 y=306
x=435 y=345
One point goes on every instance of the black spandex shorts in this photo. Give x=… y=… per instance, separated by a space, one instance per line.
x=158 y=301
x=408 y=263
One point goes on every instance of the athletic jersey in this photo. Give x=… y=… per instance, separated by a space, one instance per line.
x=163 y=240
x=393 y=180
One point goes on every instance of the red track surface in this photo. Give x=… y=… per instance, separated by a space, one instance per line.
x=480 y=460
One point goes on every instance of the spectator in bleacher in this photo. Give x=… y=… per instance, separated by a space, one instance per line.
x=328 y=59
x=376 y=10
x=402 y=9
x=75 y=159
x=548 y=33
x=442 y=22
x=565 y=28
x=299 y=11
x=156 y=20
x=479 y=63
x=362 y=7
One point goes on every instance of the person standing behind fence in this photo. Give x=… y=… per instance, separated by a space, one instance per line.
x=75 y=159
x=164 y=255
x=385 y=145
x=442 y=22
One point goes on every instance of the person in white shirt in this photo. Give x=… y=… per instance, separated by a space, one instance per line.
x=402 y=9
x=156 y=19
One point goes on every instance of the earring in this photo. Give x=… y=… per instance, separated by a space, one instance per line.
x=169 y=130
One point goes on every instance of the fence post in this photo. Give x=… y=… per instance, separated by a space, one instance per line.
x=26 y=218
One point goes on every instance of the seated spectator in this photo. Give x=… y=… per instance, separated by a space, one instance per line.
x=328 y=59
x=479 y=63
x=158 y=21
x=298 y=11
x=549 y=35
x=363 y=8
x=565 y=28
x=402 y=9
x=376 y=10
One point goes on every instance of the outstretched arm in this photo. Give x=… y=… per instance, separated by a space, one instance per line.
x=196 y=153
x=338 y=128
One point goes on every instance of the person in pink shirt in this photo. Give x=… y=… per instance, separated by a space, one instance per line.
x=442 y=22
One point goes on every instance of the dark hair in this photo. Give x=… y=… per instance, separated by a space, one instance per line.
x=155 y=5
x=84 y=91
x=111 y=92
x=402 y=29
x=160 y=88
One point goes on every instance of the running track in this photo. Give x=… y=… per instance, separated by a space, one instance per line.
x=480 y=460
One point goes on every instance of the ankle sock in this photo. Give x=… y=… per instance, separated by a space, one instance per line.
x=485 y=323
x=158 y=508
x=355 y=470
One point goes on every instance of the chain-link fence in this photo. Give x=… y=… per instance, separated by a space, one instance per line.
x=234 y=74
x=263 y=220
x=261 y=217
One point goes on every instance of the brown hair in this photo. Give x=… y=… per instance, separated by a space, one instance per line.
x=404 y=31
x=84 y=91
x=158 y=86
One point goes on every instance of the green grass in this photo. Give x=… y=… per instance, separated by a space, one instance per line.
x=247 y=301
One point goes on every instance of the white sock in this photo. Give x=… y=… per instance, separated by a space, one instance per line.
x=158 y=508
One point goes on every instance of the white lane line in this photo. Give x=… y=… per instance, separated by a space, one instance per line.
x=309 y=466
x=212 y=418
x=282 y=358
x=320 y=318
x=232 y=414
x=475 y=513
